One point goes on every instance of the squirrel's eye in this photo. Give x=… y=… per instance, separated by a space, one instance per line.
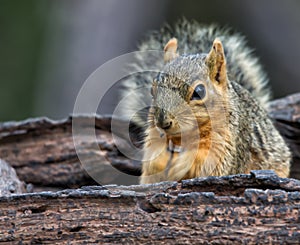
x=199 y=92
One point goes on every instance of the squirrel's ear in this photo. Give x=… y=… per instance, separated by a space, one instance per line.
x=216 y=63
x=170 y=50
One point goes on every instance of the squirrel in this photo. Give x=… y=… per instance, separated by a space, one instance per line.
x=207 y=115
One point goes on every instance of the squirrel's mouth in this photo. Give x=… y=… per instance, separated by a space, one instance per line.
x=178 y=131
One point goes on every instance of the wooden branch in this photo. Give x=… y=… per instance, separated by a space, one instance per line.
x=43 y=153
x=255 y=208
x=42 y=150
x=241 y=209
x=286 y=115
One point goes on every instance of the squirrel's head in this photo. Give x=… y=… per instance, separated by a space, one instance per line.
x=189 y=90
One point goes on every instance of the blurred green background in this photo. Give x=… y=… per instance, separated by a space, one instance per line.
x=22 y=26
x=49 y=47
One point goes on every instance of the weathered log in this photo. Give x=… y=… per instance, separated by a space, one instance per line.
x=286 y=115
x=42 y=150
x=259 y=208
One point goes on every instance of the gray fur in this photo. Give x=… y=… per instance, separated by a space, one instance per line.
x=255 y=138
x=193 y=38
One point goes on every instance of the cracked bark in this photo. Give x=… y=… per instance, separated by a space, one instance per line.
x=42 y=151
x=255 y=208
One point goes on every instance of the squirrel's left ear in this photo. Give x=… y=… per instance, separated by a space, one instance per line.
x=216 y=63
x=170 y=50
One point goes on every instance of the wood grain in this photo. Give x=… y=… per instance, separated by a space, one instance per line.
x=259 y=208
x=42 y=150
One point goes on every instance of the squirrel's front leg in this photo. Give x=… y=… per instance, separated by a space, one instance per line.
x=155 y=170
x=155 y=159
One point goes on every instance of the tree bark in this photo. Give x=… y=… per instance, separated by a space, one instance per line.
x=242 y=209
x=286 y=115
x=42 y=150
x=255 y=208
x=42 y=153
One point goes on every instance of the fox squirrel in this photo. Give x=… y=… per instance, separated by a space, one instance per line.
x=207 y=115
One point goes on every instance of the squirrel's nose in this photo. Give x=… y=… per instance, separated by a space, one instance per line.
x=166 y=124
x=163 y=121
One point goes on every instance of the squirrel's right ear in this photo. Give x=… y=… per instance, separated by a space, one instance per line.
x=216 y=63
x=170 y=50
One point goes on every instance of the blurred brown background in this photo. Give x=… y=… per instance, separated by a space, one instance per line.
x=49 y=47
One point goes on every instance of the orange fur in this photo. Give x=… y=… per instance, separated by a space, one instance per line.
x=226 y=138
x=158 y=170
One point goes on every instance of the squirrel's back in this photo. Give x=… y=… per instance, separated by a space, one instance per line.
x=242 y=66
x=206 y=114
